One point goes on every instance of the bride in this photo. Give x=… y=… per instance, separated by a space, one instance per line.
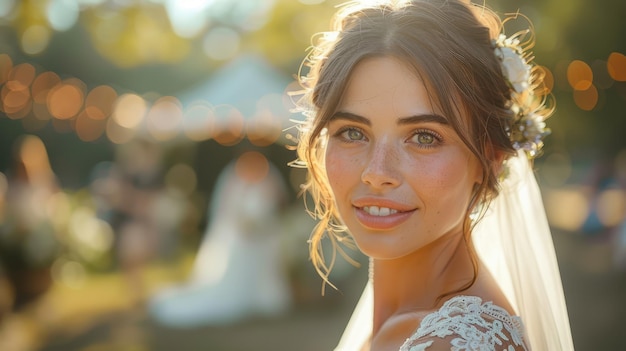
x=422 y=122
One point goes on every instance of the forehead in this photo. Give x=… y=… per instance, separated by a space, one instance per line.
x=386 y=84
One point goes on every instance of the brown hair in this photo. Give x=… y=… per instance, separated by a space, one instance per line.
x=449 y=45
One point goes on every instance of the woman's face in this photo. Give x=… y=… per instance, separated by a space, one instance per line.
x=400 y=174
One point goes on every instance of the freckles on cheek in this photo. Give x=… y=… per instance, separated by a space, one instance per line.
x=447 y=174
x=336 y=170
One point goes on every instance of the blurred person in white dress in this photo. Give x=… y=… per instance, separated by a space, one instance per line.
x=239 y=271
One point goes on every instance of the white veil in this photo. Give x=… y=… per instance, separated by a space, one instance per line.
x=514 y=241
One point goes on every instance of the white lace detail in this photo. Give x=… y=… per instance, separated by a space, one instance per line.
x=474 y=325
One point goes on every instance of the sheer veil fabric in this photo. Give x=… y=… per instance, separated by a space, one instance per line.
x=515 y=242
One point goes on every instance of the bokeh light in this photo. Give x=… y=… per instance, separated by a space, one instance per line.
x=118 y=134
x=22 y=74
x=62 y=14
x=199 y=121
x=566 y=208
x=579 y=75
x=188 y=18
x=229 y=125
x=265 y=127
x=15 y=94
x=100 y=101
x=164 y=119
x=616 y=65
x=129 y=111
x=42 y=85
x=586 y=99
x=35 y=39
x=15 y=100
x=66 y=99
x=611 y=206
x=89 y=128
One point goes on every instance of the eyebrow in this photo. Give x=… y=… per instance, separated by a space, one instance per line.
x=415 y=119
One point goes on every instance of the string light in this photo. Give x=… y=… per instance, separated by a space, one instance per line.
x=41 y=98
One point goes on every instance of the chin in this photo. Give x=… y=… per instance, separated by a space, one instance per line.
x=384 y=249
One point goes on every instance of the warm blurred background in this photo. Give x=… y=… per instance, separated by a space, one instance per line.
x=144 y=176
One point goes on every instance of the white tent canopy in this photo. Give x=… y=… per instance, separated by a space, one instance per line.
x=244 y=83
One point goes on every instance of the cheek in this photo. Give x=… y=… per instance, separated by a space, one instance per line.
x=339 y=170
x=449 y=181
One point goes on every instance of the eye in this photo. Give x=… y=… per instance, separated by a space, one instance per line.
x=425 y=138
x=354 y=134
x=350 y=134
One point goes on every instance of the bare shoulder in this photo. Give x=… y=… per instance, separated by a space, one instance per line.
x=395 y=331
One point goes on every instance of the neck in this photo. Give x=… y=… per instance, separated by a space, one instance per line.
x=416 y=281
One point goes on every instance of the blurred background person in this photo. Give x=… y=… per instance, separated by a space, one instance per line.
x=28 y=241
x=239 y=270
x=138 y=179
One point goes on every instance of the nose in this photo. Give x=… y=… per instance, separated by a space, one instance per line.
x=381 y=169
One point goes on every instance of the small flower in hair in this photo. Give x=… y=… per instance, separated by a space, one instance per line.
x=527 y=133
x=515 y=69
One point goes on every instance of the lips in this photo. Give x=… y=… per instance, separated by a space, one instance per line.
x=379 y=214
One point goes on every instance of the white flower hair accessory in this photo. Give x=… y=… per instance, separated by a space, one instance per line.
x=526 y=128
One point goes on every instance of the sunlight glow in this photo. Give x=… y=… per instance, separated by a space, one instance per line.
x=188 y=17
x=6 y=7
x=62 y=14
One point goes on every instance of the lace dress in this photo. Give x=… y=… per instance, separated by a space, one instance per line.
x=468 y=324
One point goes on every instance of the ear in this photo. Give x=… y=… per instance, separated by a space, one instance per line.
x=496 y=158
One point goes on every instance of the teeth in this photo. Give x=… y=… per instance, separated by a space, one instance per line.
x=379 y=211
